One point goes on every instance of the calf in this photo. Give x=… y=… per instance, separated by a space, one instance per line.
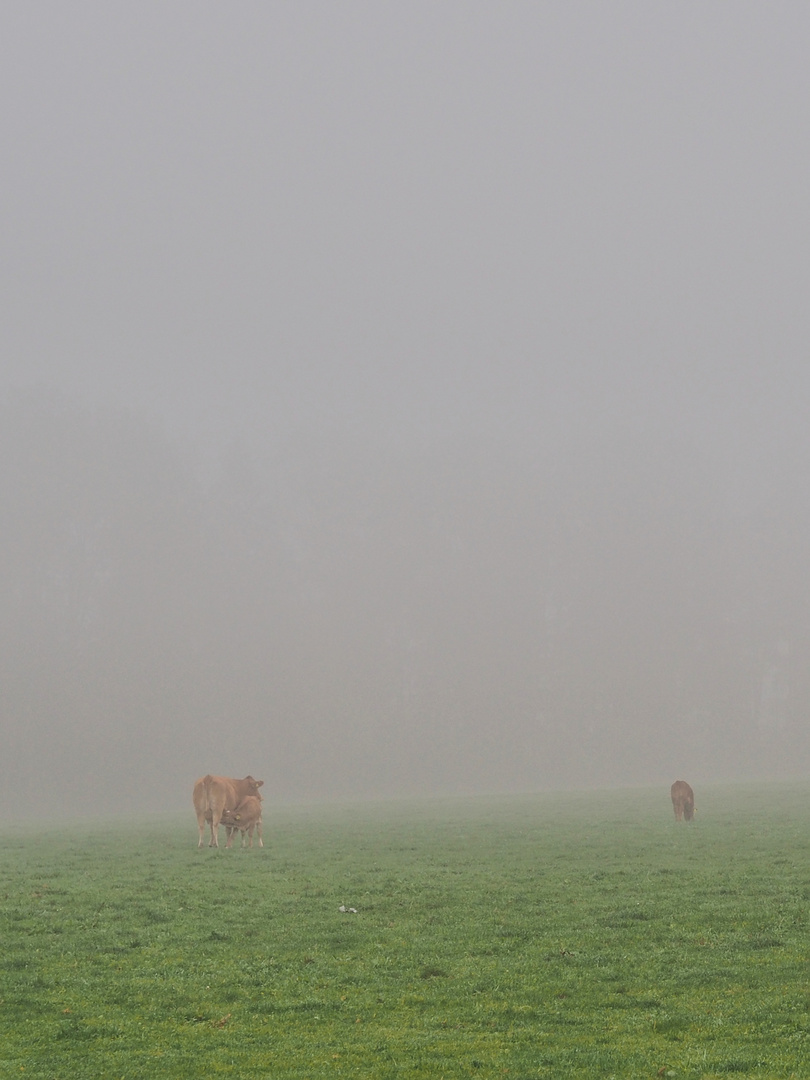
x=246 y=817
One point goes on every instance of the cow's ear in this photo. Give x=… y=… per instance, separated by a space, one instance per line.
x=260 y=783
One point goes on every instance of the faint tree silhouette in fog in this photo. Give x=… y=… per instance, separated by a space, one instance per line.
x=414 y=621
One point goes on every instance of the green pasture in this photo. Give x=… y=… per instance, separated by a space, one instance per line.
x=573 y=935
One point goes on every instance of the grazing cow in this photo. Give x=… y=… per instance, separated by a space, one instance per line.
x=246 y=817
x=215 y=794
x=683 y=801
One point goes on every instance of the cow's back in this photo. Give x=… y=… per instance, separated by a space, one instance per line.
x=214 y=793
x=223 y=792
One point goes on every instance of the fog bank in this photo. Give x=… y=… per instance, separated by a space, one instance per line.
x=402 y=401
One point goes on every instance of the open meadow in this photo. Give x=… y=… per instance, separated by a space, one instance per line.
x=557 y=935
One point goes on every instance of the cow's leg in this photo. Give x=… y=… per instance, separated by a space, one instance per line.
x=215 y=817
x=259 y=833
x=201 y=827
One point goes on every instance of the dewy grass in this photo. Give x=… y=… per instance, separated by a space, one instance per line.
x=548 y=936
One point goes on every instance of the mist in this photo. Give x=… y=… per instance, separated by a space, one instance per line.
x=402 y=401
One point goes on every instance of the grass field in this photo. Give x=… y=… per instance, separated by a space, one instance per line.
x=580 y=935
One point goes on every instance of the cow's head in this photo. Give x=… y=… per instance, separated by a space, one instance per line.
x=254 y=784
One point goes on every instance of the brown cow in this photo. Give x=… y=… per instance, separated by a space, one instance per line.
x=246 y=817
x=214 y=794
x=683 y=801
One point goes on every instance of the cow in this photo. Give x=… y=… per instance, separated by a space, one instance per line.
x=246 y=817
x=683 y=801
x=215 y=794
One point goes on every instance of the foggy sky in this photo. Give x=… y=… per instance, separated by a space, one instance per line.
x=400 y=399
